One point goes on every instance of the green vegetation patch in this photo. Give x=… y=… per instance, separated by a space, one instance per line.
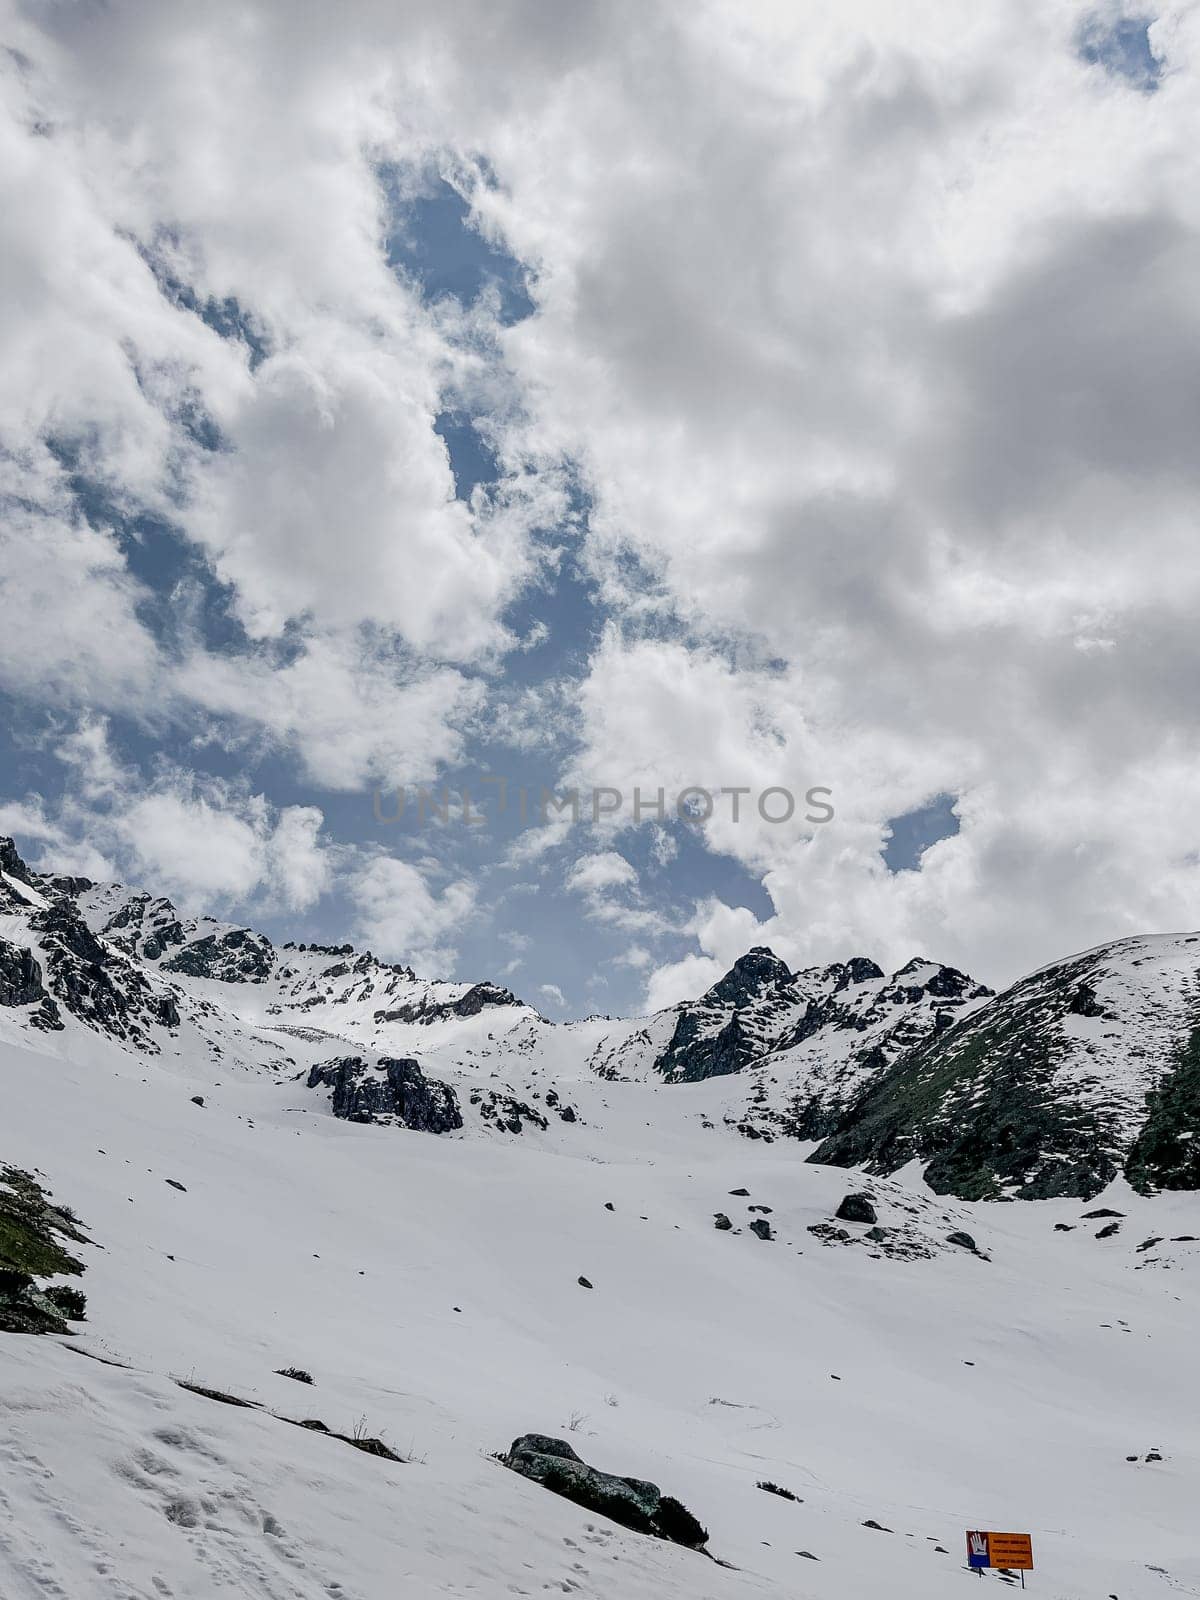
x=32 y=1231
x=1166 y=1152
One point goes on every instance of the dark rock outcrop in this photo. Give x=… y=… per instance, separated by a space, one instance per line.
x=237 y=956
x=390 y=1090
x=11 y=863
x=856 y=1208
x=97 y=983
x=730 y=1025
x=505 y=1112
x=20 y=976
x=426 y=1010
x=632 y=1502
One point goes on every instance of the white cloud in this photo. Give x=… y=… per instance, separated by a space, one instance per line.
x=209 y=843
x=71 y=630
x=595 y=873
x=551 y=992
x=872 y=330
x=681 y=980
x=609 y=888
x=400 y=917
x=353 y=709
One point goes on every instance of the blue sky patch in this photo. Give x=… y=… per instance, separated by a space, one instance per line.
x=913 y=833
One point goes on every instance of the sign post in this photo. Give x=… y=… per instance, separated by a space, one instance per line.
x=1013 y=1552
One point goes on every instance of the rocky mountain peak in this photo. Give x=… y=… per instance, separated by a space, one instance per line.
x=10 y=861
x=758 y=971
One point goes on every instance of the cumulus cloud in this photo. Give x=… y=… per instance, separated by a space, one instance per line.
x=871 y=333
x=596 y=873
x=402 y=918
x=210 y=843
x=609 y=887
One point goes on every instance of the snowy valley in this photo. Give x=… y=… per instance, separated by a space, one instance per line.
x=465 y=1224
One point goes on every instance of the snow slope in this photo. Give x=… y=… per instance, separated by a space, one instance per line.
x=430 y=1285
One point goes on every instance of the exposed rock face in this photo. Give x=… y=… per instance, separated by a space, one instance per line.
x=20 y=976
x=425 y=1010
x=10 y=861
x=238 y=956
x=732 y=1024
x=506 y=1113
x=390 y=1090
x=836 y=1027
x=98 y=984
x=633 y=1502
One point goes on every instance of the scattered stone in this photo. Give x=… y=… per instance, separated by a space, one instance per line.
x=608 y=1206
x=1104 y=1211
x=175 y=1184
x=766 y=1210
x=762 y=1228
x=1107 y=1233
x=963 y=1240
x=856 y=1208
x=297 y=1373
x=768 y=1487
x=1153 y=1455
x=829 y=1235
x=1148 y=1244
x=808 y=1555
x=632 y=1502
x=197 y=1099
x=721 y=1222
x=740 y=1194
x=878 y=1526
x=1064 y=1227
x=584 y=1283
x=876 y=1235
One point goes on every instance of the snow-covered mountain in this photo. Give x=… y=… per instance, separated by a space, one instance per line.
x=471 y=1226
x=1047 y=1089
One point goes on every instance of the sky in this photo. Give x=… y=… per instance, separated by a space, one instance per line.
x=788 y=408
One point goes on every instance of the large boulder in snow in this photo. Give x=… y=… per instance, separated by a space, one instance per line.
x=856 y=1208
x=389 y=1090
x=633 y=1502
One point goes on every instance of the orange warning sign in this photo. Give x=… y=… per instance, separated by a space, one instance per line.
x=1013 y=1551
